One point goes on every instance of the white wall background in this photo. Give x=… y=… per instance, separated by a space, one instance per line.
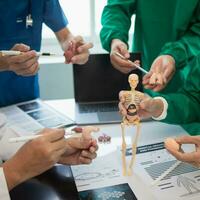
x=56 y=80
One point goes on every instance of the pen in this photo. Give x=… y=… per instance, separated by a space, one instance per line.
x=16 y=53
x=72 y=133
x=135 y=65
x=32 y=137
x=23 y=138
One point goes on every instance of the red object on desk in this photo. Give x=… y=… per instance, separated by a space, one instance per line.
x=104 y=138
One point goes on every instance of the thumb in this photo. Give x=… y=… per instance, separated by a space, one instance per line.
x=85 y=141
x=21 y=47
x=79 y=143
x=146 y=105
x=150 y=105
x=169 y=71
x=78 y=39
x=87 y=134
x=88 y=130
x=153 y=106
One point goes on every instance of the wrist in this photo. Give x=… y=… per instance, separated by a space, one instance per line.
x=13 y=176
x=114 y=42
x=171 y=58
x=64 y=36
x=4 y=66
x=161 y=108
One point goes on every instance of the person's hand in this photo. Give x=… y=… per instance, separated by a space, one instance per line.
x=120 y=64
x=35 y=157
x=148 y=107
x=161 y=72
x=76 y=50
x=80 y=150
x=25 y=64
x=192 y=158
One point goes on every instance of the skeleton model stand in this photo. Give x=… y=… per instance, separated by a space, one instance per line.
x=132 y=100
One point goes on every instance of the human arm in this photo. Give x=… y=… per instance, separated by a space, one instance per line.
x=179 y=108
x=116 y=22
x=176 y=54
x=183 y=106
x=146 y=108
x=192 y=158
x=25 y=64
x=35 y=157
x=161 y=72
x=76 y=50
x=188 y=45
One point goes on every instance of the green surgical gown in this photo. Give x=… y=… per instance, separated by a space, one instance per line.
x=161 y=27
x=184 y=105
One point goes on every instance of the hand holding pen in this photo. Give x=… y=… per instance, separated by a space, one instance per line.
x=78 y=148
x=160 y=73
x=24 y=64
x=120 y=56
x=133 y=64
x=41 y=153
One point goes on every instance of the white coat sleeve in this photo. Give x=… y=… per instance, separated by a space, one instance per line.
x=7 y=150
x=4 y=194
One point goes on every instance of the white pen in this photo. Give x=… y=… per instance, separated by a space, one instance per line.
x=32 y=137
x=135 y=65
x=23 y=138
x=16 y=53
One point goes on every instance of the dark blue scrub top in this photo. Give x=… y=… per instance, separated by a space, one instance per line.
x=14 y=88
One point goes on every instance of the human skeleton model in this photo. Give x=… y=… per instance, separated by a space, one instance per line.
x=132 y=100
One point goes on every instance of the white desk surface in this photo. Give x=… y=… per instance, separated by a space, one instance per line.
x=150 y=131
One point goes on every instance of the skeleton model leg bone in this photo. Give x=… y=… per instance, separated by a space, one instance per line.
x=134 y=149
x=124 y=169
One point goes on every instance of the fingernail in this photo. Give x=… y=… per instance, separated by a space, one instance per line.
x=127 y=55
x=73 y=60
x=80 y=50
x=142 y=105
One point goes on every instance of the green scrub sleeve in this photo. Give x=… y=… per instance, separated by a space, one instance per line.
x=183 y=107
x=188 y=45
x=116 y=21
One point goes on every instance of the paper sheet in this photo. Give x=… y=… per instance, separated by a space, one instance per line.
x=102 y=180
x=181 y=184
x=104 y=170
x=30 y=117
